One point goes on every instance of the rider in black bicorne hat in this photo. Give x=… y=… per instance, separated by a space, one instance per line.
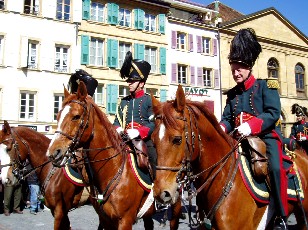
x=81 y=75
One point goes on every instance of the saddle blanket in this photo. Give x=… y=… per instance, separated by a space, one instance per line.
x=259 y=190
x=72 y=174
x=143 y=178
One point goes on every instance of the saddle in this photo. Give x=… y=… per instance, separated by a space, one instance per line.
x=255 y=148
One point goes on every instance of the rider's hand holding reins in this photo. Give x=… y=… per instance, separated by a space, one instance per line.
x=244 y=129
x=132 y=133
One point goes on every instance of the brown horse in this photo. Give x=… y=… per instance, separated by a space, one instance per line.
x=189 y=141
x=81 y=123
x=22 y=143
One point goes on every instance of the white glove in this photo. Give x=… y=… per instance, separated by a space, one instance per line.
x=120 y=130
x=244 y=129
x=303 y=139
x=223 y=128
x=132 y=133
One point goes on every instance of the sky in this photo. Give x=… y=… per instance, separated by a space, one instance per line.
x=293 y=10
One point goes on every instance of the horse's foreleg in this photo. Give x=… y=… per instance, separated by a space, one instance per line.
x=148 y=223
x=176 y=212
x=61 y=221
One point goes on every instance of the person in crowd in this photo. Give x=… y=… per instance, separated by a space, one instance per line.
x=299 y=130
x=12 y=193
x=253 y=108
x=34 y=189
x=81 y=75
x=1 y=193
x=134 y=111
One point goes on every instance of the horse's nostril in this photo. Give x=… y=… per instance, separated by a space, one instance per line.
x=165 y=196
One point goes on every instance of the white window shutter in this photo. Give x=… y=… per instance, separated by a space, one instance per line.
x=77 y=11
x=24 y=52
x=15 y=6
x=49 y=8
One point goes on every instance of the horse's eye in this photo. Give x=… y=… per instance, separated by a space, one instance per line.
x=77 y=117
x=177 y=140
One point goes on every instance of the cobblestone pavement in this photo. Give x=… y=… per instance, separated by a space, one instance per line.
x=83 y=218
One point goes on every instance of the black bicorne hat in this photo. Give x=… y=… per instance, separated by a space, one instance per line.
x=245 y=48
x=299 y=110
x=81 y=75
x=134 y=70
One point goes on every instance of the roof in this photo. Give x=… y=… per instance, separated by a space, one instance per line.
x=226 y=13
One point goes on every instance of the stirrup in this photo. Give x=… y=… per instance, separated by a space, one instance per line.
x=280 y=223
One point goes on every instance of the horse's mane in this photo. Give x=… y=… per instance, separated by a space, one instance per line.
x=199 y=109
x=30 y=134
x=110 y=130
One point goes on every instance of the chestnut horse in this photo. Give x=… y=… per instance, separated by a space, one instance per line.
x=81 y=123
x=188 y=139
x=22 y=143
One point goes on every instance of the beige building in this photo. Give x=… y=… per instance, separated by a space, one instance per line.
x=284 y=56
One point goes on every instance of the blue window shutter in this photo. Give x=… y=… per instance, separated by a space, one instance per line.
x=163 y=95
x=216 y=78
x=163 y=58
x=112 y=53
x=214 y=47
x=139 y=51
x=174 y=73
x=85 y=9
x=112 y=13
x=192 y=75
x=139 y=19
x=84 y=49
x=112 y=98
x=173 y=39
x=161 y=23
x=199 y=76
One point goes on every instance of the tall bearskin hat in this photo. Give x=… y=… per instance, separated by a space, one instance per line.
x=81 y=75
x=245 y=48
x=299 y=110
x=134 y=70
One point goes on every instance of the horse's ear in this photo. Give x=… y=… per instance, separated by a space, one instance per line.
x=82 y=91
x=179 y=102
x=6 y=127
x=155 y=103
x=66 y=93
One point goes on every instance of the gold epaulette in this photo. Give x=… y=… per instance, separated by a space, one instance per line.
x=272 y=83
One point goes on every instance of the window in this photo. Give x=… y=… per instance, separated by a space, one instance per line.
x=57 y=104
x=181 y=41
x=206 y=44
x=123 y=91
x=152 y=91
x=32 y=55
x=1 y=4
x=1 y=49
x=98 y=95
x=207 y=77
x=123 y=48
x=182 y=74
x=272 y=67
x=299 y=77
x=63 y=10
x=150 y=22
x=27 y=107
x=124 y=17
x=31 y=7
x=150 y=57
x=97 y=12
x=61 y=64
x=96 y=52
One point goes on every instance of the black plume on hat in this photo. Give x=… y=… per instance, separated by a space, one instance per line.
x=299 y=110
x=81 y=75
x=134 y=70
x=245 y=48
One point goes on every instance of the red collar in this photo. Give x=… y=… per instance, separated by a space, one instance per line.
x=138 y=94
x=249 y=82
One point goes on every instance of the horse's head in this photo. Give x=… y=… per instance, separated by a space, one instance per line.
x=73 y=125
x=169 y=140
x=7 y=152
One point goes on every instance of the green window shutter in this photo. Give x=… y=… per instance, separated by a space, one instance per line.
x=162 y=53
x=84 y=49
x=85 y=9
x=161 y=23
x=163 y=95
x=112 y=53
x=112 y=13
x=139 y=51
x=112 y=98
x=139 y=19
